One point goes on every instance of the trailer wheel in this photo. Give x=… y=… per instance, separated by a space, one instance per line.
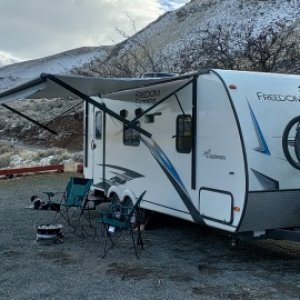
x=295 y=162
x=127 y=202
x=114 y=199
x=115 y=202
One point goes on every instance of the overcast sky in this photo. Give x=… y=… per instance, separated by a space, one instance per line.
x=36 y=28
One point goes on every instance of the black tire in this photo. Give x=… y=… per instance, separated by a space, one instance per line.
x=285 y=144
x=129 y=204
x=114 y=199
x=114 y=206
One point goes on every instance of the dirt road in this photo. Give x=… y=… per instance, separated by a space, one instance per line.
x=180 y=261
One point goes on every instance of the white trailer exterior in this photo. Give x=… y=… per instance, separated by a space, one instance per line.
x=212 y=147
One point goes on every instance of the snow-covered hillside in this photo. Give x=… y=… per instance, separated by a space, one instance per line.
x=5 y=59
x=234 y=14
x=184 y=25
x=13 y=74
x=168 y=36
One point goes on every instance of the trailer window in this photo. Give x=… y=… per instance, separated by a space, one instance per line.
x=98 y=125
x=131 y=137
x=184 y=134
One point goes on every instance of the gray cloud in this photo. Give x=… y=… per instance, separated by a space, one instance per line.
x=36 y=28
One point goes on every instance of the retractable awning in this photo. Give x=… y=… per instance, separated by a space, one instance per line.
x=45 y=87
x=64 y=86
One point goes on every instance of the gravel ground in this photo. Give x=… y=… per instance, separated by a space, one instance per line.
x=181 y=260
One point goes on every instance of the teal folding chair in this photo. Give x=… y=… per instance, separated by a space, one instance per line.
x=122 y=218
x=75 y=196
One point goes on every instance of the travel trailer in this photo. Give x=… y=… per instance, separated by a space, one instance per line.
x=217 y=147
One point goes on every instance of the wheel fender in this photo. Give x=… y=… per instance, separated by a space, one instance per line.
x=128 y=193
x=114 y=190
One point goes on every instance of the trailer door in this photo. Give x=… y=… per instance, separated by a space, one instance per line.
x=97 y=146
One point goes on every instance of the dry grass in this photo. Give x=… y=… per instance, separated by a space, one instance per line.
x=12 y=156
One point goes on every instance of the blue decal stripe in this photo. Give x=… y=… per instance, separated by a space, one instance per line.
x=174 y=178
x=165 y=162
x=263 y=144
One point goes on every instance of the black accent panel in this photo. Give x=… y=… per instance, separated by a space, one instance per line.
x=271 y=210
x=102 y=185
x=130 y=173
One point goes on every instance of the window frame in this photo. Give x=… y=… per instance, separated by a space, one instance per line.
x=180 y=134
x=134 y=137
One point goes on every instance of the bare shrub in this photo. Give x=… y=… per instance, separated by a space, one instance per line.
x=273 y=49
x=44 y=153
x=4 y=161
x=4 y=148
x=78 y=157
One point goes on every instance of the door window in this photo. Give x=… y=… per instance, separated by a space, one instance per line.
x=98 y=125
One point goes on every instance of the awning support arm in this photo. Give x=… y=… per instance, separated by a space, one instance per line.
x=95 y=103
x=183 y=112
x=58 y=116
x=29 y=119
x=161 y=101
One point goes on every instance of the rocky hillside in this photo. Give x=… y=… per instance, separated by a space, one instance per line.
x=203 y=33
x=178 y=41
x=17 y=73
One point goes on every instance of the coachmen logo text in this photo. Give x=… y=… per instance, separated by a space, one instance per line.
x=208 y=154
x=277 y=97
x=147 y=97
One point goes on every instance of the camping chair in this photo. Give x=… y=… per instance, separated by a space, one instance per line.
x=75 y=196
x=115 y=222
